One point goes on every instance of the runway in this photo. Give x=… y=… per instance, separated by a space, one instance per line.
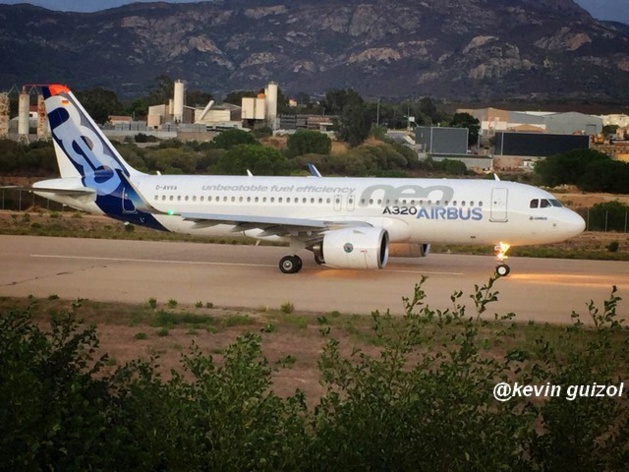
x=248 y=277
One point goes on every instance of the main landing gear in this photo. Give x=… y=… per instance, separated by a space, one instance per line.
x=290 y=264
x=502 y=269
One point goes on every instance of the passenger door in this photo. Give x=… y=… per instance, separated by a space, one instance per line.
x=499 y=198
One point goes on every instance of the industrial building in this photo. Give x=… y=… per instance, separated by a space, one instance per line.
x=176 y=115
x=303 y=121
x=31 y=116
x=538 y=145
x=442 y=140
x=494 y=120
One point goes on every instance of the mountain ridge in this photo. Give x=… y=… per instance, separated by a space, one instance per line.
x=464 y=49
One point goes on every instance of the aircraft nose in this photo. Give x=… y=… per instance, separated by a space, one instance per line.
x=575 y=224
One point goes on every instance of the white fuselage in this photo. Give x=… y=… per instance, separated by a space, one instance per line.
x=411 y=210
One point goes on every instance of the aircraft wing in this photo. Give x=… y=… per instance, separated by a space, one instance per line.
x=271 y=225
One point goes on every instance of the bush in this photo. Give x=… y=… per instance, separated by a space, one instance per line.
x=608 y=216
x=233 y=137
x=258 y=159
x=421 y=401
x=307 y=142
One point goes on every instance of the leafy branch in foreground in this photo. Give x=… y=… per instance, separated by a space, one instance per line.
x=418 y=397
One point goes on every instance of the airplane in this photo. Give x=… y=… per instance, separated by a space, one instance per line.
x=351 y=223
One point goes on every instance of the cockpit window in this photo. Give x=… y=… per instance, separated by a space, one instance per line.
x=545 y=203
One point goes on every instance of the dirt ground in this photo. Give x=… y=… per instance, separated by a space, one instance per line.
x=305 y=345
x=575 y=199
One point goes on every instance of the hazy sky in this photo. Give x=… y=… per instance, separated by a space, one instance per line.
x=616 y=10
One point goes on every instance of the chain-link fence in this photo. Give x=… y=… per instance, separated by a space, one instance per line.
x=600 y=219
x=23 y=200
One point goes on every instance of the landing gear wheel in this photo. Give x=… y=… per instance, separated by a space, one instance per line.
x=290 y=264
x=503 y=270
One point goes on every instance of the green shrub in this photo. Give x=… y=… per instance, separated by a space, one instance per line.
x=613 y=246
x=421 y=400
x=287 y=308
x=608 y=216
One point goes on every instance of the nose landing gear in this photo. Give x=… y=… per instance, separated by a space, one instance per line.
x=500 y=250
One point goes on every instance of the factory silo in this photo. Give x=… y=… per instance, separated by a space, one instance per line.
x=270 y=93
x=42 y=120
x=4 y=115
x=24 y=106
x=178 y=102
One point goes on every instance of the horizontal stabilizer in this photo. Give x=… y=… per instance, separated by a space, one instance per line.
x=68 y=192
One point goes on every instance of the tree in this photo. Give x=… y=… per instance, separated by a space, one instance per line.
x=336 y=100
x=465 y=120
x=352 y=124
x=260 y=160
x=162 y=91
x=100 y=103
x=233 y=137
x=428 y=108
x=235 y=98
x=610 y=130
x=307 y=141
x=605 y=176
x=198 y=98
x=138 y=109
x=567 y=168
x=282 y=103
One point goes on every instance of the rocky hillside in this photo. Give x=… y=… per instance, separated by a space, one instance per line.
x=457 y=49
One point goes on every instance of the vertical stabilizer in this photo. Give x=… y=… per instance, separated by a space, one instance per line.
x=81 y=147
x=83 y=152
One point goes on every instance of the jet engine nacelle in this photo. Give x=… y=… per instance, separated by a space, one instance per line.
x=408 y=250
x=355 y=248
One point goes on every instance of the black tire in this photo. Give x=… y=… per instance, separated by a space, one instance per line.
x=503 y=270
x=290 y=264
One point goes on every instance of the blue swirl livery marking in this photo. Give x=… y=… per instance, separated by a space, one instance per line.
x=101 y=168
